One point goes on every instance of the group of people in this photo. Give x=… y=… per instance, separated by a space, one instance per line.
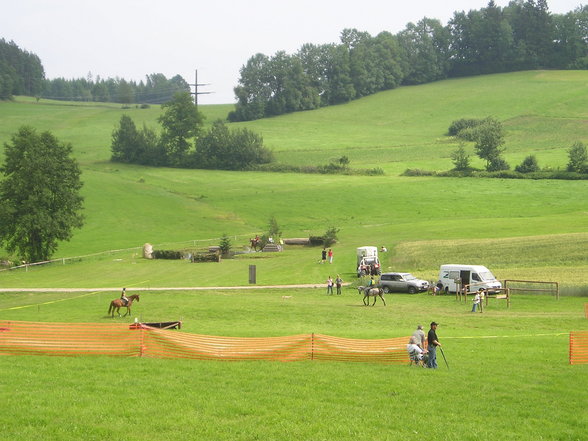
x=338 y=282
x=325 y=254
x=417 y=350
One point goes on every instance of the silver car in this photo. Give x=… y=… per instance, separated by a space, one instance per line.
x=402 y=282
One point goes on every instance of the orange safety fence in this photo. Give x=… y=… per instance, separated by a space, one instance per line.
x=579 y=347
x=137 y=340
x=22 y=338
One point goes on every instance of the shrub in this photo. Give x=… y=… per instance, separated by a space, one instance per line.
x=497 y=164
x=316 y=241
x=418 y=172
x=225 y=245
x=461 y=160
x=461 y=124
x=224 y=149
x=166 y=254
x=577 y=158
x=330 y=236
x=205 y=257
x=529 y=165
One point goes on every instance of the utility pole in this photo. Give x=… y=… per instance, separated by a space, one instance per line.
x=196 y=84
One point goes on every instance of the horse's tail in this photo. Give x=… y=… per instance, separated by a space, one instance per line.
x=111 y=307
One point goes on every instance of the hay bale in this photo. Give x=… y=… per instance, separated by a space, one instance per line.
x=148 y=251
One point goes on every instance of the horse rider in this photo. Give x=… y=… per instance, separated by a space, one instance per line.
x=123 y=297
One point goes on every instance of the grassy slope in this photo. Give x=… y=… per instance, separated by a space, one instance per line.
x=509 y=377
x=127 y=206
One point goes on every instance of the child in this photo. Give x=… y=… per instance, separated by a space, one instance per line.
x=477 y=299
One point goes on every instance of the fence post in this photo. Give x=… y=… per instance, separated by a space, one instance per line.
x=570 y=353
x=252 y=274
x=141 y=342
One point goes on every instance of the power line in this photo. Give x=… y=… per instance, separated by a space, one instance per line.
x=195 y=85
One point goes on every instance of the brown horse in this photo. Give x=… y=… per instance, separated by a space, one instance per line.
x=118 y=303
x=371 y=292
x=255 y=243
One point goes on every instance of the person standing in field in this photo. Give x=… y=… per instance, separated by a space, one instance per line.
x=418 y=337
x=338 y=282
x=432 y=343
x=324 y=255
x=477 y=299
x=330 y=254
x=330 y=285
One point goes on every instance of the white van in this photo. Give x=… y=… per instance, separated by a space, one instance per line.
x=476 y=276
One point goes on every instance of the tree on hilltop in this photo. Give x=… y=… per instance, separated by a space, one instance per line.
x=181 y=122
x=489 y=138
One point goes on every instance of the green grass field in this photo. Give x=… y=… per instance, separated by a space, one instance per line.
x=509 y=376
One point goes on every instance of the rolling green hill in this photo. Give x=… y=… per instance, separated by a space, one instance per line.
x=544 y=112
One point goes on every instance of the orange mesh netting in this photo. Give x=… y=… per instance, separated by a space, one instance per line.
x=579 y=347
x=22 y=338
x=33 y=338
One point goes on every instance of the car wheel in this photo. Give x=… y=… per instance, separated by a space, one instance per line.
x=386 y=290
x=412 y=290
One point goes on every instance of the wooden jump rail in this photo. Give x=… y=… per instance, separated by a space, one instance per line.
x=506 y=282
x=465 y=290
x=496 y=294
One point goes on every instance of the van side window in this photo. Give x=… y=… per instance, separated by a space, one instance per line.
x=476 y=277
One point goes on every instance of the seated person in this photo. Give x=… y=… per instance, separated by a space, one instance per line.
x=414 y=351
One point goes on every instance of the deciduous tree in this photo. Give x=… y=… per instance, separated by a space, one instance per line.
x=181 y=123
x=577 y=156
x=40 y=200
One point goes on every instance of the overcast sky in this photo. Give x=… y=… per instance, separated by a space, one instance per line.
x=132 y=38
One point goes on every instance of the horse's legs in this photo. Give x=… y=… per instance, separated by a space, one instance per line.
x=375 y=298
x=382 y=297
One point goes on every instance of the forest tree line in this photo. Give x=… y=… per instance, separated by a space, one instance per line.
x=22 y=73
x=521 y=36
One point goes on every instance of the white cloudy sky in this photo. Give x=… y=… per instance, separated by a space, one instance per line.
x=132 y=38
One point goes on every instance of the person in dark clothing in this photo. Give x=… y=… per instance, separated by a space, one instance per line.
x=432 y=342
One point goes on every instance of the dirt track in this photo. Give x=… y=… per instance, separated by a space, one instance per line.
x=185 y=288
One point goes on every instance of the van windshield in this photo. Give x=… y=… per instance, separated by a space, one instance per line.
x=487 y=275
